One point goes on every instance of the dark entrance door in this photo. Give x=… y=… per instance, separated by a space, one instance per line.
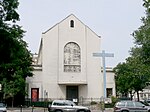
x=71 y=92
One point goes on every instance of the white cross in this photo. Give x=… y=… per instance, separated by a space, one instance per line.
x=103 y=55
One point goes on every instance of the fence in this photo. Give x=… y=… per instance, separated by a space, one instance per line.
x=29 y=109
x=89 y=102
x=42 y=102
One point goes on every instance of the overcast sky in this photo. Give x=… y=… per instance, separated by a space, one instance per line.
x=113 y=20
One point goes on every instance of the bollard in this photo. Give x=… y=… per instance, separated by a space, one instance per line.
x=21 y=108
x=32 y=108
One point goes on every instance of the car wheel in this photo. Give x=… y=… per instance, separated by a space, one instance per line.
x=124 y=111
x=81 y=111
x=58 y=111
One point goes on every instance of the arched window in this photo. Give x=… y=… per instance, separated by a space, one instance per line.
x=72 y=23
x=72 y=57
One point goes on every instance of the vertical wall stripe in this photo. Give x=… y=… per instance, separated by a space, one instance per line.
x=58 y=62
x=86 y=51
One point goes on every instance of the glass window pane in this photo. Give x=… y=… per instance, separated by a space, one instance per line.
x=72 y=57
x=130 y=104
x=138 y=104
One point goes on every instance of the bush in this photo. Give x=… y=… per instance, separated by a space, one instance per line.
x=93 y=102
x=37 y=103
x=114 y=100
x=110 y=105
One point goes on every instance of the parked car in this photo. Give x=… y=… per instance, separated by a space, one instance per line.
x=130 y=106
x=3 y=107
x=66 y=106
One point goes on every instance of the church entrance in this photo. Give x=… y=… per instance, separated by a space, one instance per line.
x=35 y=94
x=72 y=93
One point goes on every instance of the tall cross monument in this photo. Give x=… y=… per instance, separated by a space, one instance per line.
x=104 y=55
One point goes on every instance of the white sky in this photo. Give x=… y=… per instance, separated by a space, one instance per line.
x=113 y=20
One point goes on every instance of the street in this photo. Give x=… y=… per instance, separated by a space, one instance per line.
x=37 y=109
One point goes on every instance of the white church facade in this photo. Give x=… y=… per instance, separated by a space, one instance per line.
x=65 y=68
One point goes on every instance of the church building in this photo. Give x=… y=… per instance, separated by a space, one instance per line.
x=65 y=67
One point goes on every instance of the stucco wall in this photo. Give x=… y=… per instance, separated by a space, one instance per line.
x=52 y=78
x=77 y=35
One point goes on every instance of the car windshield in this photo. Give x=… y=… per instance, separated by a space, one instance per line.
x=2 y=105
x=145 y=103
x=139 y=104
x=148 y=101
x=70 y=103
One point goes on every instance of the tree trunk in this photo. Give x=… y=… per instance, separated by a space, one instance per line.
x=131 y=95
x=138 y=99
x=12 y=103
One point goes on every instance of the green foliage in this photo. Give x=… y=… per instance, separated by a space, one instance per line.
x=8 y=10
x=114 y=100
x=133 y=74
x=142 y=36
x=140 y=52
x=93 y=102
x=123 y=78
x=15 y=59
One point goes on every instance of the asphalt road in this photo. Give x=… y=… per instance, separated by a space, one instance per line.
x=102 y=111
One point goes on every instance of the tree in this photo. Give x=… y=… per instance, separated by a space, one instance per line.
x=15 y=58
x=122 y=84
x=142 y=36
x=136 y=70
x=142 y=44
x=131 y=77
x=139 y=74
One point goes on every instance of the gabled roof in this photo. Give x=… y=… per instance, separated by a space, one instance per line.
x=40 y=47
x=65 y=19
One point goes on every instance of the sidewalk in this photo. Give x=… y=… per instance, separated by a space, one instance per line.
x=29 y=109
x=41 y=109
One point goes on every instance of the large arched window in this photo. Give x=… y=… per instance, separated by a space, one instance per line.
x=72 y=57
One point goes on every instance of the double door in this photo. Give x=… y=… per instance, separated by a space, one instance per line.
x=72 y=93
